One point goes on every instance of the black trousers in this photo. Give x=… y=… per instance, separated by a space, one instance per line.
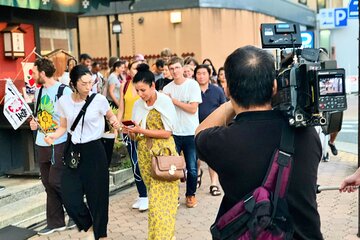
x=51 y=178
x=91 y=179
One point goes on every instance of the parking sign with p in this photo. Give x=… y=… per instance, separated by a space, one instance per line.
x=341 y=17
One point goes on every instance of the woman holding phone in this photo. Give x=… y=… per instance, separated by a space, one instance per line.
x=155 y=118
x=128 y=97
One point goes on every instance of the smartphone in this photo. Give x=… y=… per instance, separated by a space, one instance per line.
x=128 y=123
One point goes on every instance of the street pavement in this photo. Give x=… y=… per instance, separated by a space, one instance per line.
x=338 y=211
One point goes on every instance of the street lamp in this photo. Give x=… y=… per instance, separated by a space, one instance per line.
x=116 y=26
x=117 y=29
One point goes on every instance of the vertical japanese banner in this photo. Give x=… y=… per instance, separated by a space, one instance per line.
x=30 y=83
x=16 y=110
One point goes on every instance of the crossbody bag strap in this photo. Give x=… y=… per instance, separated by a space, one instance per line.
x=284 y=160
x=82 y=111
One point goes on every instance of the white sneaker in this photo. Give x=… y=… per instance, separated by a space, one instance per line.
x=143 y=204
x=136 y=204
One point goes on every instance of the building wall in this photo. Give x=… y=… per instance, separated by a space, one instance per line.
x=94 y=36
x=206 y=32
x=312 y=4
x=224 y=30
x=309 y=3
x=156 y=32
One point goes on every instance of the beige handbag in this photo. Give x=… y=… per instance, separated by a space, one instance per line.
x=167 y=168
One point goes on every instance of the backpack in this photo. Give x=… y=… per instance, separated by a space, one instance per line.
x=58 y=95
x=263 y=213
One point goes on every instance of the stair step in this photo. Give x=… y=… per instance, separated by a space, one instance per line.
x=21 y=213
x=23 y=202
x=17 y=189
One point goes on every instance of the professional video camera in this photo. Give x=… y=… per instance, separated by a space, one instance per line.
x=311 y=91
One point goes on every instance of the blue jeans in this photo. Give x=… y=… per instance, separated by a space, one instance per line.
x=140 y=185
x=187 y=145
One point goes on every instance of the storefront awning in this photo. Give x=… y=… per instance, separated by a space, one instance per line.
x=71 y=6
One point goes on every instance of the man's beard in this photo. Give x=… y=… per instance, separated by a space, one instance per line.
x=40 y=81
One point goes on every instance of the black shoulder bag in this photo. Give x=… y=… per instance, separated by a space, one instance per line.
x=71 y=156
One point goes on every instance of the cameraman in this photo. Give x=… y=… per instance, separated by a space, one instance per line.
x=249 y=141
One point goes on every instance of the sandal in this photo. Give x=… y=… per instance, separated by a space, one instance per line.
x=199 y=178
x=214 y=190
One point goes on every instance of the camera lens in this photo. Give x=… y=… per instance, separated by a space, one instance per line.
x=299 y=117
x=322 y=121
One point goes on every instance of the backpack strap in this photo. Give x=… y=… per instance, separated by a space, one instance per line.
x=38 y=101
x=280 y=167
x=60 y=91
x=58 y=95
x=285 y=164
x=82 y=111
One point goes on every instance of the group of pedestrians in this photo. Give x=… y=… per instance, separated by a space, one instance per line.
x=204 y=116
x=166 y=118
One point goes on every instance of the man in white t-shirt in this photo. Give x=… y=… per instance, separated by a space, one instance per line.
x=97 y=77
x=186 y=96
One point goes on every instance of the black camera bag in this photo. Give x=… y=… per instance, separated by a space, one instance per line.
x=72 y=156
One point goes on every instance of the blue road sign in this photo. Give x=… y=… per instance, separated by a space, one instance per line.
x=307 y=38
x=341 y=15
x=354 y=9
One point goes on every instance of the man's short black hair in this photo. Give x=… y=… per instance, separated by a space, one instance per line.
x=94 y=64
x=159 y=63
x=85 y=56
x=204 y=66
x=250 y=73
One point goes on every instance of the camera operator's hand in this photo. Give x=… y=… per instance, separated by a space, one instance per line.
x=350 y=182
x=33 y=124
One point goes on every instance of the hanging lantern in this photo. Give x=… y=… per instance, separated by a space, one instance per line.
x=13 y=41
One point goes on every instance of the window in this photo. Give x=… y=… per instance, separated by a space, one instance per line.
x=320 y=4
x=52 y=38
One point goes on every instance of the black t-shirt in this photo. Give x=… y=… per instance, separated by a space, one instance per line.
x=161 y=83
x=241 y=152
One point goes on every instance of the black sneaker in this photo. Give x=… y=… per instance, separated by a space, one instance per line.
x=326 y=157
x=333 y=148
x=48 y=230
x=71 y=224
